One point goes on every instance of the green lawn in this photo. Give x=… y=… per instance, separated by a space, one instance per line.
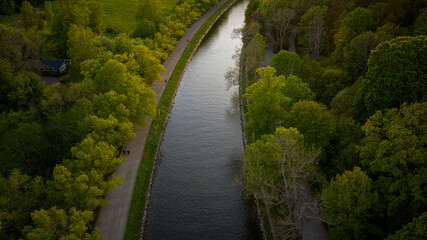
x=120 y=14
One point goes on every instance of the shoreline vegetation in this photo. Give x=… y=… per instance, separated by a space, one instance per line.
x=147 y=168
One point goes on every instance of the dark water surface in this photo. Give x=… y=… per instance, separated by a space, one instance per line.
x=195 y=193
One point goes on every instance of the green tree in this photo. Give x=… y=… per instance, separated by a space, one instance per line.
x=150 y=67
x=416 y=229
x=312 y=30
x=254 y=55
x=151 y=10
x=96 y=22
x=313 y=120
x=68 y=12
x=357 y=53
x=48 y=12
x=145 y=29
x=266 y=102
x=82 y=46
x=58 y=224
x=19 y=196
x=277 y=170
x=394 y=154
x=396 y=74
x=349 y=200
x=286 y=63
x=140 y=99
x=296 y=89
x=28 y=14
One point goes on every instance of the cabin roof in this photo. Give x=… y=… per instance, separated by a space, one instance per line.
x=54 y=63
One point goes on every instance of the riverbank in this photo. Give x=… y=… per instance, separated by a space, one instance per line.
x=146 y=170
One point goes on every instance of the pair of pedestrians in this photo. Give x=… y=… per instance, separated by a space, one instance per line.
x=124 y=152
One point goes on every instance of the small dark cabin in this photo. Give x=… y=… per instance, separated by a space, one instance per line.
x=55 y=67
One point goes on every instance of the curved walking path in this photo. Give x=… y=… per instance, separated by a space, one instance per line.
x=113 y=217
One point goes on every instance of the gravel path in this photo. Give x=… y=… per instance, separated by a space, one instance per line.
x=112 y=218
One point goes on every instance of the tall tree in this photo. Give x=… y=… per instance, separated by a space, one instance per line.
x=266 y=103
x=349 y=200
x=394 y=155
x=278 y=168
x=312 y=30
x=151 y=10
x=58 y=224
x=313 y=120
x=396 y=74
x=286 y=63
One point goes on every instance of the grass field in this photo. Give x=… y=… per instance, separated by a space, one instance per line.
x=120 y=14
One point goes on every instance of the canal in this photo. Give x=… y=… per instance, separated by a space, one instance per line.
x=196 y=194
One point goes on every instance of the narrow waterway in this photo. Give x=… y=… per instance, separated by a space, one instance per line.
x=196 y=194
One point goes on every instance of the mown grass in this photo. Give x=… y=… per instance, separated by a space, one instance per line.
x=136 y=211
x=120 y=14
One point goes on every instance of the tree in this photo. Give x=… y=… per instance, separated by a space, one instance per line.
x=278 y=20
x=394 y=154
x=150 y=67
x=145 y=29
x=278 y=168
x=82 y=46
x=312 y=29
x=140 y=99
x=96 y=22
x=19 y=196
x=357 y=53
x=349 y=200
x=28 y=146
x=296 y=89
x=286 y=63
x=313 y=120
x=396 y=74
x=58 y=224
x=68 y=12
x=28 y=15
x=151 y=10
x=266 y=102
x=48 y=12
x=254 y=55
x=414 y=230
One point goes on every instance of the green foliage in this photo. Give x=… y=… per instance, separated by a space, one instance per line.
x=266 y=102
x=48 y=12
x=58 y=224
x=18 y=88
x=311 y=32
x=313 y=120
x=28 y=14
x=416 y=229
x=396 y=74
x=286 y=63
x=254 y=53
x=394 y=154
x=19 y=196
x=82 y=46
x=7 y=7
x=349 y=200
x=296 y=89
x=96 y=22
x=356 y=54
x=145 y=29
x=277 y=170
x=151 y=10
x=68 y=12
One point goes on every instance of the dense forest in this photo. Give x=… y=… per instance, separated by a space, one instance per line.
x=336 y=119
x=60 y=143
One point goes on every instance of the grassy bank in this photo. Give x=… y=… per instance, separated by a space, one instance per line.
x=120 y=14
x=141 y=186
